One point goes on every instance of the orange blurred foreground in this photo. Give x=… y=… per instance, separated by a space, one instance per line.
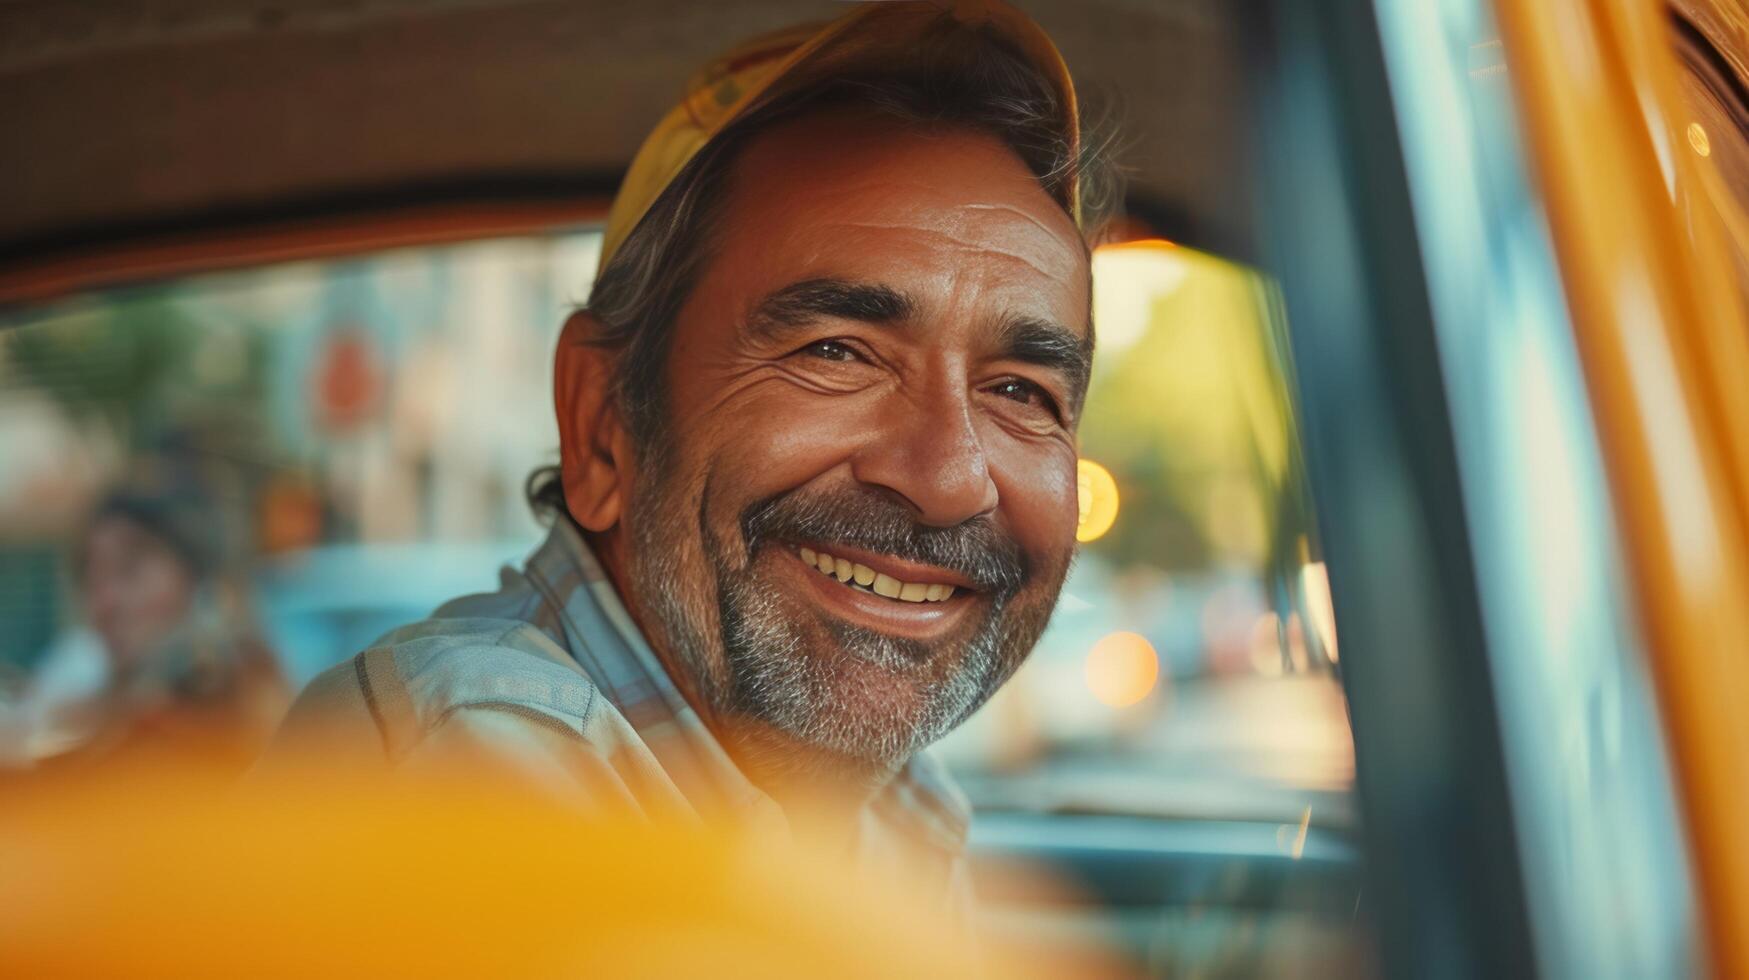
x=153 y=876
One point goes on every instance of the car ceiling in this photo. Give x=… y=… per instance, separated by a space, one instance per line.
x=124 y=117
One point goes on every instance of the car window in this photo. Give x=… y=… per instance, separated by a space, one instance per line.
x=1186 y=693
x=356 y=432
x=1194 y=645
x=352 y=434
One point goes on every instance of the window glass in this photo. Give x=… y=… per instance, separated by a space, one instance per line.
x=1177 y=747
x=1194 y=641
x=343 y=444
x=311 y=454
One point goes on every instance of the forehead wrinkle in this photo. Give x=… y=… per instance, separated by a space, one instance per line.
x=1018 y=213
x=958 y=244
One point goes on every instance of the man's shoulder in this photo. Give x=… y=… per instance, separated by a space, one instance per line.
x=416 y=678
x=450 y=663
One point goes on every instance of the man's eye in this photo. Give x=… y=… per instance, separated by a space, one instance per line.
x=1024 y=392
x=830 y=350
x=1030 y=394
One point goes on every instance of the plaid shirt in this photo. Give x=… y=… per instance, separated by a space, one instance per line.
x=550 y=682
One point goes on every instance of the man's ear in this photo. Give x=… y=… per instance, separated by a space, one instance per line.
x=594 y=450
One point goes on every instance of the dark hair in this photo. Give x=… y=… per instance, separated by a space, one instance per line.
x=179 y=517
x=961 y=76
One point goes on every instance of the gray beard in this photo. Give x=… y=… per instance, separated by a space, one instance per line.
x=778 y=684
x=779 y=681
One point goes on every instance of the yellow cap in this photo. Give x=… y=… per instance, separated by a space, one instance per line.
x=880 y=34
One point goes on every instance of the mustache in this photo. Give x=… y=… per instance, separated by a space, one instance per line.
x=977 y=549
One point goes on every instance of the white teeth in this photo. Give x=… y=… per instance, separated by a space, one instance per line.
x=883 y=585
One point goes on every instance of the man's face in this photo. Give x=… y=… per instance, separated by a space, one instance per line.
x=881 y=363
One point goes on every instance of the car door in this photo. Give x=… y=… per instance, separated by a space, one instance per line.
x=1520 y=349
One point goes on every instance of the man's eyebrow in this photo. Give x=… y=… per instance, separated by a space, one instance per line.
x=819 y=299
x=1048 y=345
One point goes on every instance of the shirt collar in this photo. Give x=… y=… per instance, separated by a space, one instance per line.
x=600 y=634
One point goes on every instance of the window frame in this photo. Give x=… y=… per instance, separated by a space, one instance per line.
x=43 y=270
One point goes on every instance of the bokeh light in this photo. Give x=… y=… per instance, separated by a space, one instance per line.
x=1128 y=280
x=1697 y=138
x=1098 y=500
x=1122 y=669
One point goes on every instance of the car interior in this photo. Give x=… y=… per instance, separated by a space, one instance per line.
x=364 y=193
x=318 y=253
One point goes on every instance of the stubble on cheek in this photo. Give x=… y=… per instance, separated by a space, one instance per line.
x=672 y=574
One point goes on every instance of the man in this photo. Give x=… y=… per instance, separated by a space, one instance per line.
x=817 y=491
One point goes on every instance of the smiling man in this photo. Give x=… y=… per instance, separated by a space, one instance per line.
x=817 y=491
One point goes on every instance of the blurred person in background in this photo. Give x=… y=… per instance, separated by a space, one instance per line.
x=184 y=673
x=817 y=492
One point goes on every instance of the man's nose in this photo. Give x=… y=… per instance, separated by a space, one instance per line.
x=930 y=453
